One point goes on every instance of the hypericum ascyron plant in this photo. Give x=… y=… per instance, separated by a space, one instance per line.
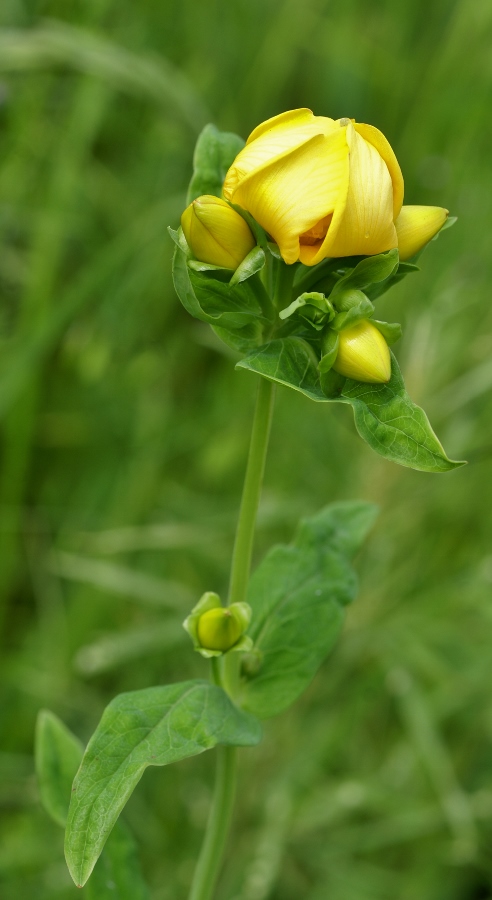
x=286 y=244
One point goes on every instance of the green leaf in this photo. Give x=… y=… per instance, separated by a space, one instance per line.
x=374 y=291
x=252 y=263
x=369 y=270
x=290 y=361
x=215 y=152
x=391 y=331
x=298 y=595
x=117 y=874
x=239 y=310
x=152 y=727
x=385 y=416
x=58 y=753
x=57 y=756
x=393 y=425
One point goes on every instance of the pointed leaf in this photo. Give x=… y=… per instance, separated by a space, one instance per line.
x=215 y=152
x=117 y=875
x=370 y=270
x=393 y=425
x=385 y=416
x=298 y=594
x=152 y=727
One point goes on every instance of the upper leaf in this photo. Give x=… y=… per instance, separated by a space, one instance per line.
x=152 y=727
x=385 y=416
x=370 y=270
x=215 y=152
x=298 y=594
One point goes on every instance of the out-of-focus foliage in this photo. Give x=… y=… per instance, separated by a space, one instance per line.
x=124 y=433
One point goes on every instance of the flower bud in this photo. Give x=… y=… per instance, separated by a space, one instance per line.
x=216 y=233
x=416 y=226
x=363 y=354
x=218 y=629
x=215 y=629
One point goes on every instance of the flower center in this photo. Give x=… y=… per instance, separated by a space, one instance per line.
x=318 y=232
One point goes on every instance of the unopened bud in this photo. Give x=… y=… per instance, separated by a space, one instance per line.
x=216 y=233
x=416 y=226
x=218 y=629
x=363 y=354
x=215 y=629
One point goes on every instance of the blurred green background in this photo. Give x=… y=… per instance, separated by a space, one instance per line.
x=124 y=433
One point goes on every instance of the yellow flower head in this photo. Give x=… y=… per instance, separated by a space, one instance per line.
x=216 y=233
x=319 y=187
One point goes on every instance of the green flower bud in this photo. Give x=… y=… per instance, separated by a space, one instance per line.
x=216 y=233
x=216 y=629
x=363 y=354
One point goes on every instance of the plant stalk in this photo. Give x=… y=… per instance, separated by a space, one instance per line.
x=225 y=671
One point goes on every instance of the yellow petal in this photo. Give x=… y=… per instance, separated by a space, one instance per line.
x=272 y=141
x=416 y=226
x=216 y=233
x=375 y=137
x=290 y=195
x=366 y=226
x=363 y=354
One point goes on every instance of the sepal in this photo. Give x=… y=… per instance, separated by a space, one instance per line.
x=330 y=343
x=354 y=307
x=391 y=331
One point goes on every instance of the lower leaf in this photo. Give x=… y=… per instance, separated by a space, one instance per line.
x=298 y=595
x=152 y=727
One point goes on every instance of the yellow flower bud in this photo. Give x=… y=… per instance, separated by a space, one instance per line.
x=218 y=629
x=416 y=226
x=363 y=354
x=216 y=233
x=319 y=187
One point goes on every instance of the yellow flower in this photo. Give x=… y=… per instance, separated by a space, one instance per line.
x=216 y=233
x=416 y=226
x=363 y=354
x=319 y=187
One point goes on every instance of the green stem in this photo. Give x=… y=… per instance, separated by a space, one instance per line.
x=243 y=546
x=225 y=670
x=217 y=826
